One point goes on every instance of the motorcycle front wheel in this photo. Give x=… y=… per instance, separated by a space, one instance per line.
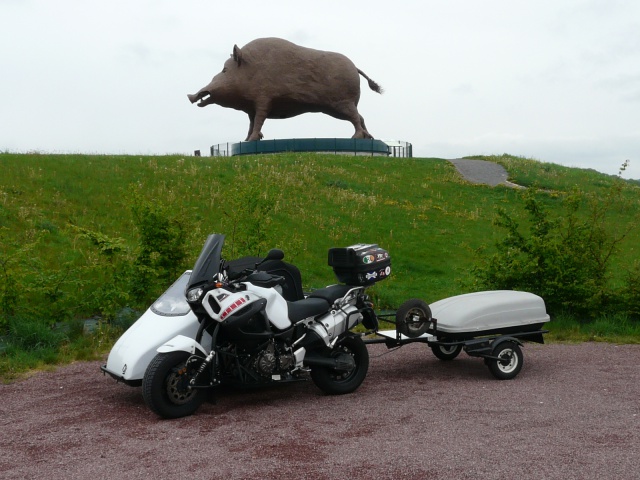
x=338 y=382
x=165 y=386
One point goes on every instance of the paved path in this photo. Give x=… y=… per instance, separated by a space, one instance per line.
x=481 y=171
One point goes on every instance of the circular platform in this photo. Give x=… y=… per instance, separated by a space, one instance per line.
x=345 y=146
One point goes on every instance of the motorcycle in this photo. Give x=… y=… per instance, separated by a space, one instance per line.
x=249 y=324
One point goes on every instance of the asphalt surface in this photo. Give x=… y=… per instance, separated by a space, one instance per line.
x=481 y=171
x=572 y=413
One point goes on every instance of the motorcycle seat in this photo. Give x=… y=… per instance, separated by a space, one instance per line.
x=331 y=293
x=309 y=307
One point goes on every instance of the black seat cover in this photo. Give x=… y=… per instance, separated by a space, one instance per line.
x=309 y=307
x=291 y=289
x=332 y=293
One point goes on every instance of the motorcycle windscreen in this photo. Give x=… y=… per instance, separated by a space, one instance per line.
x=208 y=263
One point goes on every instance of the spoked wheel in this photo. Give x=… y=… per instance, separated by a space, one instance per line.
x=413 y=318
x=165 y=386
x=338 y=382
x=446 y=352
x=510 y=363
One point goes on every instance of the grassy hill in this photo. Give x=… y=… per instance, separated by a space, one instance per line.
x=68 y=223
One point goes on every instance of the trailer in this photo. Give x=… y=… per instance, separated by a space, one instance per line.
x=491 y=325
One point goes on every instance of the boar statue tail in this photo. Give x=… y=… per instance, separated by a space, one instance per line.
x=372 y=85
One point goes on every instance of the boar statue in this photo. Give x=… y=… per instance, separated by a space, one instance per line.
x=274 y=78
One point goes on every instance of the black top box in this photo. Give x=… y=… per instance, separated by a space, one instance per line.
x=360 y=264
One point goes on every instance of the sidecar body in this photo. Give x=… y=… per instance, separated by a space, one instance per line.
x=168 y=317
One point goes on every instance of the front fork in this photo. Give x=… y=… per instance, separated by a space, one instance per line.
x=209 y=360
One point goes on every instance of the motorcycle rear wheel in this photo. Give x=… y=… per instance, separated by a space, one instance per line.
x=165 y=386
x=339 y=382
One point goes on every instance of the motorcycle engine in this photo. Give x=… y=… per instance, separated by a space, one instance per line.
x=271 y=361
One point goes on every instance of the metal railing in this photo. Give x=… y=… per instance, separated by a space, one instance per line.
x=343 y=146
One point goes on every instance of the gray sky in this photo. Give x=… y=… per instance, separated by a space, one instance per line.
x=555 y=80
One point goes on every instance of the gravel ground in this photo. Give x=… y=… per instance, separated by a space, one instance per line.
x=572 y=413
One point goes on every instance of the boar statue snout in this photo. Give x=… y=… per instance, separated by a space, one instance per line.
x=202 y=97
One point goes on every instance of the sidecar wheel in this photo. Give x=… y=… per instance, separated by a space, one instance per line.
x=413 y=317
x=339 y=382
x=165 y=386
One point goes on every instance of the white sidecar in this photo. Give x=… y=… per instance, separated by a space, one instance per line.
x=168 y=317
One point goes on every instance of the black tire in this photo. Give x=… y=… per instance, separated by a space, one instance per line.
x=446 y=352
x=339 y=382
x=511 y=364
x=164 y=386
x=413 y=318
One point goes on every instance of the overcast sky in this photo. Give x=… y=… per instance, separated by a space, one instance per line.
x=555 y=80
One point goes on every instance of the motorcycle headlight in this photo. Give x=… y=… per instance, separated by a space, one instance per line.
x=194 y=294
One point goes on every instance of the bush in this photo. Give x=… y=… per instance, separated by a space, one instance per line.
x=631 y=292
x=30 y=334
x=160 y=258
x=30 y=289
x=565 y=259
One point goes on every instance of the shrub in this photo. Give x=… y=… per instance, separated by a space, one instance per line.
x=163 y=237
x=565 y=259
x=27 y=333
x=631 y=292
x=28 y=288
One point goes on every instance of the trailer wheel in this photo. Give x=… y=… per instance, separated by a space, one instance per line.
x=413 y=318
x=446 y=352
x=511 y=361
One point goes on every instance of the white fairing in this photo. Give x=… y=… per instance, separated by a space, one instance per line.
x=182 y=343
x=230 y=302
x=277 y=310
x=168 y=317
x=474 y=312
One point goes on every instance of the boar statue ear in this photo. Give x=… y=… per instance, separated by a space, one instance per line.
x=237 y=55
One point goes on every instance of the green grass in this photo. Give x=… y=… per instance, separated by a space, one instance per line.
x=35 y=348
x=614 y=329
x=419 y=209
x=416 y=208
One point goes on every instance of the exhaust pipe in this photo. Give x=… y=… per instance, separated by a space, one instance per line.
x=343 y=362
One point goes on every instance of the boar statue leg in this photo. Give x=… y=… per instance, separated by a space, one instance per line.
x=350 y=113
x=358 y=124
x=250 y=128
x=364 y=127
x=256 y=120
x=361 y=129
x=252 y=123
